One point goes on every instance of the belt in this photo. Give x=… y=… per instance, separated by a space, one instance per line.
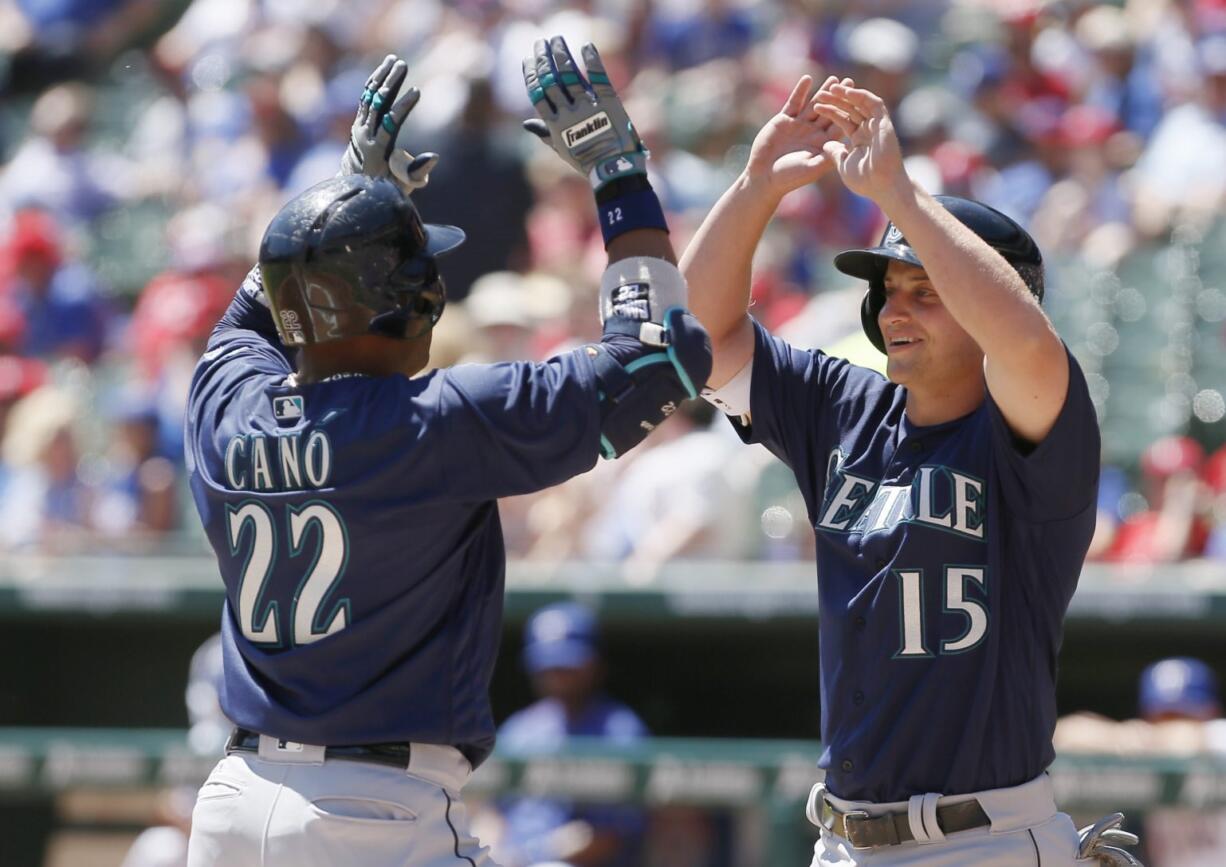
x=867 y=832
x=396 y=755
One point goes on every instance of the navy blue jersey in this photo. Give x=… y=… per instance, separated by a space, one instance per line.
x=355 y=526
x=946 y=558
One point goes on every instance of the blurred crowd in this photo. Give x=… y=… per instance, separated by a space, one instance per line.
x=145 y=145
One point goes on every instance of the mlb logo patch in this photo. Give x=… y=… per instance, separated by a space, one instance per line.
x=287 y=408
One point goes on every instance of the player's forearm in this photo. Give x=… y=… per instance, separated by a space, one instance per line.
x=642 y=242
x=718 y=266
x=982 y=291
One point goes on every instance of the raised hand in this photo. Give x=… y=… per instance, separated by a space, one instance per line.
x=787 y=152
x=372 y=138
x=870 y=161
x=582 y=119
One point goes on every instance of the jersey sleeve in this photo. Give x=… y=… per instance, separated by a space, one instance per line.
x=1056 y=478
x=797 y=396
x=519 y=427
x=784 y=384
x=243 y=346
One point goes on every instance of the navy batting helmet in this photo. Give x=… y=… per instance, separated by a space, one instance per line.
x=1001 y=233
x=351 y=256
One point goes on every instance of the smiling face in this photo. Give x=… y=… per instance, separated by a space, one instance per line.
x=926 y=349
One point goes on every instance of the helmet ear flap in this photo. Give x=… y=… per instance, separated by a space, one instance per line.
x=870 y=307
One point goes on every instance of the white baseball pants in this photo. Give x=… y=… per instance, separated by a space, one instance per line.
x=289 y=807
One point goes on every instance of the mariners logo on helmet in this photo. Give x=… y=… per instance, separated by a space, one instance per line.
x=1000 y=232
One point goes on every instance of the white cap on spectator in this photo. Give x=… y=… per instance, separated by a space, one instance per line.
x=883 y=43
x=34 y=422
x=1104 y=28
x=499 y=298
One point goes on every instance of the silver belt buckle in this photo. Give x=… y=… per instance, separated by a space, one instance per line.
x=847 y=828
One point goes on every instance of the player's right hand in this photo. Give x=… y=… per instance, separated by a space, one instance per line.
x=372 y=138
x=787 y=151
x=582 y=119
x=1102 y=842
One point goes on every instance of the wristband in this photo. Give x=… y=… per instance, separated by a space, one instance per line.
x=637 y=210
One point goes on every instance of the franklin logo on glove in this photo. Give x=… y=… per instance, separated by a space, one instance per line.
x=597 y=124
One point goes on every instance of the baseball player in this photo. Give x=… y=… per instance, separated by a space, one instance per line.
x=952 y=500
x=561 y=654
x=352 y=507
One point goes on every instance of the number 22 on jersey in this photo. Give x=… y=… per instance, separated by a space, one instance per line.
x=258 y=617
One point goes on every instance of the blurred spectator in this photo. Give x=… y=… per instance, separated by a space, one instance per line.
x=562 y=657
x=683 y=35
x=1180 y=715
x=1183 y=167
x=51 y=40
x=165 y=843
x=177 y=310
x=1124 y=82
x=58 y=301
x=1172 y=526
x=1179 y=688
x=1100 y=125
x=137 y=493
x=281 y=140
x=882 y=54
x=480 y=184
x=57 y=168
x=499 y=309
x=1180 y=696
x=45 y=504
x=675 y=500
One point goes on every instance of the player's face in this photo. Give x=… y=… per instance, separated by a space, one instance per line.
x=925 y=346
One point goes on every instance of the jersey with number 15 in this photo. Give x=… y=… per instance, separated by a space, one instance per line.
x=356 y=529
x=946 y=559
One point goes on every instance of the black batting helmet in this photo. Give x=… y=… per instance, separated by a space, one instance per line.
x=352 y=256
x=1001 y=233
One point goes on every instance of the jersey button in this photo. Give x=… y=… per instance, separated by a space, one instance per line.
x=858 y=697
x=880 y=564
x=916 y=445
x=847 y=766
x=860 y=623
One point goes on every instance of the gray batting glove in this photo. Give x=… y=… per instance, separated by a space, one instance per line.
x=1101 y=842
x=582 y=119
x=372 y=138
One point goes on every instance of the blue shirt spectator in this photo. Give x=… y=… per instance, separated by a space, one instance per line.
x=561 y=655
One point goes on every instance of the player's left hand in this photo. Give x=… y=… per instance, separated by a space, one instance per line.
x=1101 y=842
x=870 y=160
x=372 y=138
x=582 y=119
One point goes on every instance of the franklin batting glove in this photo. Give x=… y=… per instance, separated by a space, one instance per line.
x=372 y=138
x=582 y=119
